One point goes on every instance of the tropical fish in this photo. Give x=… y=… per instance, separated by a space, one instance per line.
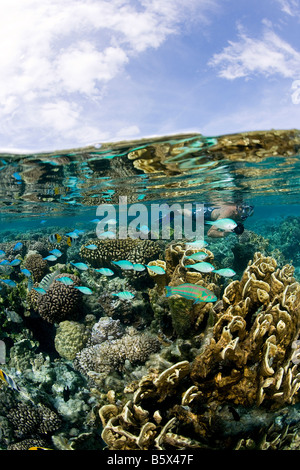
x=55 y=238
x=202 y=267
x=192 y=292
x=51 y=258
x=72 y=234
x=39 y=448
x=9 y=282
x=91 y=247
x=30 y=284
x=5 y=262
x=84 y=290
x=2 y=253
x=26 y=272
x=79 y=232
x=105 y=271
x=17 y=176
x=107 y=234
x=197 y=243
x=226 y=272
x=125 y=295
x=95 y=221
x=124 y=264
x=81 y=266
x=9 y=381
x=200 y=256
x=139 y=267
x=18 y=246
x=223 y=224
x=156 y=269
x=65 y=280
x=15 y=262
x=56 y=252
x=40 y=290
x=145 y=229
x=71 y=241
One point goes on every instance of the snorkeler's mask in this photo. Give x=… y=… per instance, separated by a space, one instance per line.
x=245 y=211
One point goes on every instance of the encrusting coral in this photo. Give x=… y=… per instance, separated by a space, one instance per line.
x=70 y=338
x=242 y=382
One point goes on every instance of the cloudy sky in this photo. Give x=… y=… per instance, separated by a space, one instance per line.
x=76 y=72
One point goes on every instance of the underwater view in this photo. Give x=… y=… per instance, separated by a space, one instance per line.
x=150 y=295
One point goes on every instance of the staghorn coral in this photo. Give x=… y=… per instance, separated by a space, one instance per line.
x=134 y=250
x=70 y=338
x=98 y=360
x=28 y=420
x=252 y=338
x=60 y=302
x=36 y=265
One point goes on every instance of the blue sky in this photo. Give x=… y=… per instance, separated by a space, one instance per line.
x=78 y=72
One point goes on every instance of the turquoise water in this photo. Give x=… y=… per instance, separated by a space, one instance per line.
x=69 y=354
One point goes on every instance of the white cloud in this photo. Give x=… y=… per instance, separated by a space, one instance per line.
x=290 y=7
x=58 y=52
x=269 y=55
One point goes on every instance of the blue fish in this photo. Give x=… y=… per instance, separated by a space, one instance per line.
x=26 y=272
x=81 y=266
x=15 y=262
x=5 y=262
x=125 y=295
x=51 y=258
x=138 y=267
x=18 y=246
x=65 y=280
x=91 y=247
x=56 y=252
x=40 y=290
x=30 y=284
x=84 y=290
x=105 y=271
x=9 y=282
x=72 y=234
x=95 y=221
x=17 y=176
x=123 y=264
x=2 y=252
x=79 y=232
x=156 y=269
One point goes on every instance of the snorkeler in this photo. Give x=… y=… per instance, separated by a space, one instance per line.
x=236 y=212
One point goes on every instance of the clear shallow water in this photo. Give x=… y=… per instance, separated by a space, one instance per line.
x=48 y=193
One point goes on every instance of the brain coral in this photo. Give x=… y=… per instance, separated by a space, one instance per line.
x=60 y=302
x=70 y=338
x=134 y=250
x=37 y=266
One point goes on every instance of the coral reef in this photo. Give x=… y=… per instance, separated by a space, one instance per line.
x=242 y=382
x=60 y=302
x=36 y=265
x=28 y=420
x=134 y=250
x=112 y=354
x=70 y=338
x=252 y=338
